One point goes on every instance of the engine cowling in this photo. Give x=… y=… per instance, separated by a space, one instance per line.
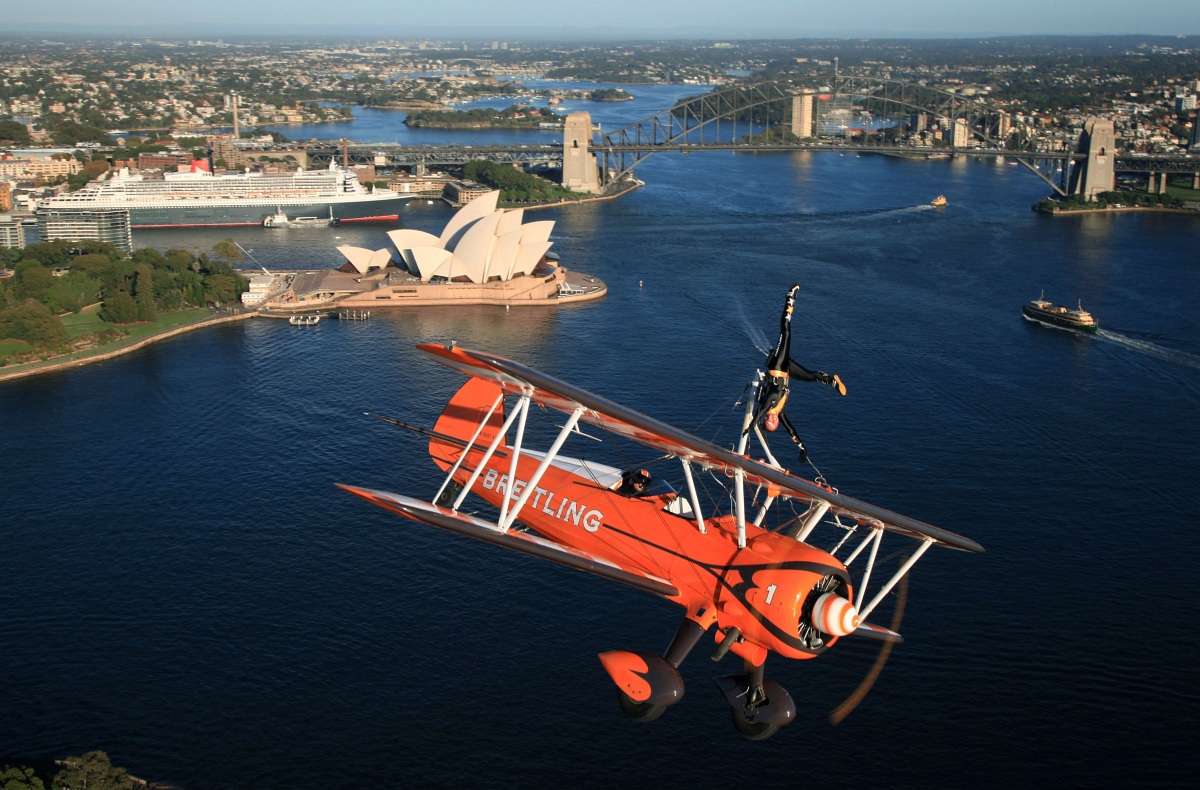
x=794 y=599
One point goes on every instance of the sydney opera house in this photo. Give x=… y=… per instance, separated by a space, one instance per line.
x=484 y=255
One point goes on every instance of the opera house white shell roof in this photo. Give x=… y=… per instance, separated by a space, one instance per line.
x=480 y=244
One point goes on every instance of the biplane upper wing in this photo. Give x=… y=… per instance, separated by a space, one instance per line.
x=523 y=542
x=546 y=390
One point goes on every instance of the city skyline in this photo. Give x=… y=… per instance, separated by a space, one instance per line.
x=620 y=19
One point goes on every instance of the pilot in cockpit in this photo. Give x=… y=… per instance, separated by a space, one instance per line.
x=634 y=482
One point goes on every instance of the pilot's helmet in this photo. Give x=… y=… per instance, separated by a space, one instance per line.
x=641 y=477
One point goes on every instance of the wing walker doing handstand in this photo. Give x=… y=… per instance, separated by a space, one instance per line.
x=781 y=369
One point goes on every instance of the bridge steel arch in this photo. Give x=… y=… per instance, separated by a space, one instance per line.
x=759 y=107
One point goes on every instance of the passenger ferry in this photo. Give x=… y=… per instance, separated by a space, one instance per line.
x=1056 y=315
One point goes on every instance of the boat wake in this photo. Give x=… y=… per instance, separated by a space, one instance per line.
x=1152 y=349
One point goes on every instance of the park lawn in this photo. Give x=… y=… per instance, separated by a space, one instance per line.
x=165 y=322
x=84 y=323
x=1182 y=192
x=9 y=347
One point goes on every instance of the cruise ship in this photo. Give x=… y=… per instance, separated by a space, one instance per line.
x=197 y=198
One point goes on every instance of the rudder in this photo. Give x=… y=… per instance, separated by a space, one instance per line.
x=462 y=416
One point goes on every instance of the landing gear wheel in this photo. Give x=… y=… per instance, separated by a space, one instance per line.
x=638 y=711
x=752 y=730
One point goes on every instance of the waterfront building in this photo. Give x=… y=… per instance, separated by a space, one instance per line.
x=460 y=193
x=962 y=134
x=73 y=224
x=260 y=288
x=427 y=186
x=12 y=232
x=39 y=168
x=484 y=255
x=1004 y=126
x=6 y=188
x=802 y=114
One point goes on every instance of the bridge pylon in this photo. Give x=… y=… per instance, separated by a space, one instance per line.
x=580 y=172
x=1097 y=173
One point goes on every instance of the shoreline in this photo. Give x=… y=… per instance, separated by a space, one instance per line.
x=48 y=366
x=1059 y=212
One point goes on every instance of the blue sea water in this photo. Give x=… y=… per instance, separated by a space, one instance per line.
x=184 y=587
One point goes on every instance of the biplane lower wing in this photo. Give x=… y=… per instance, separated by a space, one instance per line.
x=546 y=390
x=472 y=527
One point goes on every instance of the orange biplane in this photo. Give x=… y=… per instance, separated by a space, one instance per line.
x=765 y=591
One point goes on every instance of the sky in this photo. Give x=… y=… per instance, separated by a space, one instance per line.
x=604 y=19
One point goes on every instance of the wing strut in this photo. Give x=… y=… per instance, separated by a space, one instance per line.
x=691 y=484
x=491 y=450
x=887 y=588
x=766 y=505
x=819 y=509
x=877 y=538
x=739 y=475
x=551 y=454
x=512 y=465
x=467 y=449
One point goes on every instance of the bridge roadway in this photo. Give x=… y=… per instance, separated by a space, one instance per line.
x=393 y=155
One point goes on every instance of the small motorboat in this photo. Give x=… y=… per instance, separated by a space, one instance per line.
x=305 y=320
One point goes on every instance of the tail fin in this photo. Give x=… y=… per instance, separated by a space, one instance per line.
x=462 y=415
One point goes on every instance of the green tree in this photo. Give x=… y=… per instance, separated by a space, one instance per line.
x=96 y=266
x=73 y=292
x=220 y=288
x=228 y=251
x=33 y=322
x=14 y=132
x=119 y=308
x=143 y=293
x=32 y=282
x=70 y=132
x=20 y=778
x=92 y=771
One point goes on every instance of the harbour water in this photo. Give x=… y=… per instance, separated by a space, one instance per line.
x=184 y=587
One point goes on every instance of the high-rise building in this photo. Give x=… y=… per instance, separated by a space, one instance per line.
x=73 y=224
x=962 y=134
x=12 y=232
x=802 y=114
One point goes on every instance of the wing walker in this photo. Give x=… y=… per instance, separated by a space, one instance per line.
x=759 y=590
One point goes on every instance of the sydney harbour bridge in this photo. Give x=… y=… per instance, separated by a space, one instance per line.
x=847 y=113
